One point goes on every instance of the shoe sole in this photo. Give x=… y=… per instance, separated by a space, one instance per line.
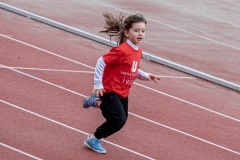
x=95 y=150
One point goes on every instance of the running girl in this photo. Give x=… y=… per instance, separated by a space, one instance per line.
x=114 y=75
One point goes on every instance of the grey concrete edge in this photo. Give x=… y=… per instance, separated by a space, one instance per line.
x=112 y=44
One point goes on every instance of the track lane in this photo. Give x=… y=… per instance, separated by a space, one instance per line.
x=142 y=138
x=72 y=84
x=74 y=78
x=189 y=153
x=169 y=36
x=44 y=136
x=9 y=152
x=227 y=10
x=217 y=105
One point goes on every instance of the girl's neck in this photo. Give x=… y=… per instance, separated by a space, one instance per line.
x=132 y=45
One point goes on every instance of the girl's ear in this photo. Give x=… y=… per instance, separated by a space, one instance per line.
x=126 y=33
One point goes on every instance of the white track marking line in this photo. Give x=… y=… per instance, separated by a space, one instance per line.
x=19 y=151
x=198 y=106
x=168 y=95
x=176 y=28
x=39 y=79
x=51 y=70
x=173 y=129
x=151 y=121
x=186 y=134
x=74 y=129
x=200 y=13
x=57 y=55
x=77 y=71
x=162 y=76
x=234 y=3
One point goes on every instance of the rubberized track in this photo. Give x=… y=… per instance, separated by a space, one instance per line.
x=177 y=118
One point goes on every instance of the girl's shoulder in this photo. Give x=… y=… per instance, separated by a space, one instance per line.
x=119 y=48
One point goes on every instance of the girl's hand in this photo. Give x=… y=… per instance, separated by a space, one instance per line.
x=98 y=91
x=153 y=77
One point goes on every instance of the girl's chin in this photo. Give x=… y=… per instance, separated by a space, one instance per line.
x=138 y=42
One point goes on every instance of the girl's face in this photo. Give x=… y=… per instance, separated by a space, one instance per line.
x=136 y=33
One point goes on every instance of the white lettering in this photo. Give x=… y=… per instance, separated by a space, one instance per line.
x=134 y=66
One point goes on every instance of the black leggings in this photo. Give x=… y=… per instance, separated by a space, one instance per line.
x=115 y=111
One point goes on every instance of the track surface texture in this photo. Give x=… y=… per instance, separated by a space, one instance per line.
x=45 y=73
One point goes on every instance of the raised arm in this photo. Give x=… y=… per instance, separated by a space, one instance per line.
x=146 y=76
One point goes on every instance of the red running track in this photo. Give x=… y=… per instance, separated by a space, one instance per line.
x=49 y=122
x=202 y=35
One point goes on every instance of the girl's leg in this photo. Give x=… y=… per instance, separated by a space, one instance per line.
x=115 y=110
x=125 y=106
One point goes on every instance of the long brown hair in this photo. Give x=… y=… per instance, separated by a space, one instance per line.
x=115 y=26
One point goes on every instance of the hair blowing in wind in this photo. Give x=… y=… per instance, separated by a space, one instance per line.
x=114 y=26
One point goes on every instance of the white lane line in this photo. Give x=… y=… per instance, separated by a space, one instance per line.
x=19 y=151
x=74 y=129
x=186 y=134
x=43 y=50
x=178 y=77
x=39 y=79
x=173 y=129
x=199 y=13
x=198 y=106
x=234 y=3
x=151 y=121
x=176 y=28
x=77 y=71
x=50 y=70
x=168 y=95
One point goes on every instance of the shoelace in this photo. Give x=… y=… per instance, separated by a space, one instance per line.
x=91 y=101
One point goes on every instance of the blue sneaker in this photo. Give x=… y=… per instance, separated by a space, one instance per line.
x=91 y=101
x=94 y=144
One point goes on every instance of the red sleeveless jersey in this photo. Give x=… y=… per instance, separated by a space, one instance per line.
x=122 y=64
